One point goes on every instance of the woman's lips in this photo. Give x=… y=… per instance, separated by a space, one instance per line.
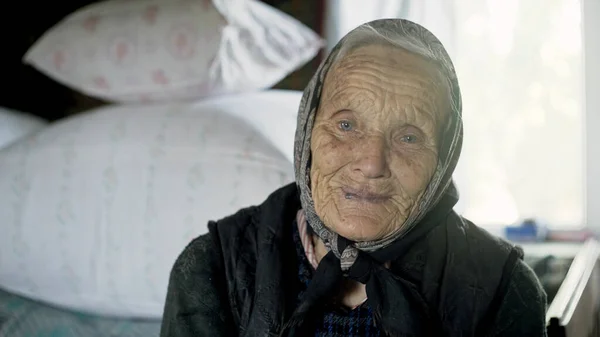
x=364 y=195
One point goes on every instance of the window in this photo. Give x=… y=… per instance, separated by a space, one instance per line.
x=520 y=66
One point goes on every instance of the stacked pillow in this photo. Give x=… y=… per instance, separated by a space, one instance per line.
x=15 y=125
x=157 y=50
x=97 y=207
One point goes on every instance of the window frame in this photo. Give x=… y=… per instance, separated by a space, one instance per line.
x=590 y=12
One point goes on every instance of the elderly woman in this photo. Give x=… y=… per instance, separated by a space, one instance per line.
x=365 y=243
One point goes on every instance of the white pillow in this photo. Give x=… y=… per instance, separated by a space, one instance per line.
x=96 y=208
x=15 y=125
x=157 y=50
x=274 y=113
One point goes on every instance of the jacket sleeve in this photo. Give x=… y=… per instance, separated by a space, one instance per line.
x=523 y=309
x=197 y=304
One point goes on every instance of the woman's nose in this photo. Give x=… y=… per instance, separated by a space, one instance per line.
x=371 y=158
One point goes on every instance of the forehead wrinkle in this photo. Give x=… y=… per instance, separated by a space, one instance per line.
x=429 y=100
x=395 y=55
x=351 y=81
x=399 y=60
x=419 y=118
x=384 y=74
x=423 y=100
x=395 y=59
x=347 y=92
x=388 y=81
x=354 y=89
x=426 y=102
x=385 y=87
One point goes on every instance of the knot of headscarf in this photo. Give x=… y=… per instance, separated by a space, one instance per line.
x=362 y=261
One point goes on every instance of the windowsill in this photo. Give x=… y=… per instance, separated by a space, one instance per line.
x=557 y=249
x=567 y=249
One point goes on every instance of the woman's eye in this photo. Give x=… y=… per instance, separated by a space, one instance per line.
x=409 y=139
x=345 y=126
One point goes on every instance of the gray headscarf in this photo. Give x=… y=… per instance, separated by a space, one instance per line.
x=414 y=38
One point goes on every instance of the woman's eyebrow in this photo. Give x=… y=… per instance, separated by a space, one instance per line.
x=337 y=113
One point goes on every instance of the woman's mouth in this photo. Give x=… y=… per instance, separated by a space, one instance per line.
x=364 y=195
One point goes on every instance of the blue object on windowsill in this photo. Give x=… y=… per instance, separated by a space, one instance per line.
x=528 y=231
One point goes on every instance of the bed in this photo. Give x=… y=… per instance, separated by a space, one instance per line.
x=20 y=317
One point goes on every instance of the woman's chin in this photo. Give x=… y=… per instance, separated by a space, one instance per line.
x=360 y=229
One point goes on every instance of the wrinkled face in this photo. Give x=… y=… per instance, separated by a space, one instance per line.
x=374 y=143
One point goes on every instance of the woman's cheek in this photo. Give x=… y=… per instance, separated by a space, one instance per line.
x=329 y=153
x=415 y=172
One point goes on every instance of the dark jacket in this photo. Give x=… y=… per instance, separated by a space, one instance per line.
x=241 y=279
